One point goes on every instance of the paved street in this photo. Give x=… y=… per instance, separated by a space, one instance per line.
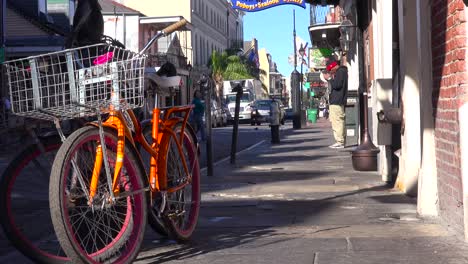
x=301 y=202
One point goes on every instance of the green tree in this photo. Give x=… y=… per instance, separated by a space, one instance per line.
x=225 y=67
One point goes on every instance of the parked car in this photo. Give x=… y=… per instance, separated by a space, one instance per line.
x=261 y=112
x=224 y=116
x=217 y=118
x=288 y=113
x=229 y=118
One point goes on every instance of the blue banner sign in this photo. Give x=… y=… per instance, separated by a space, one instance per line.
x=258 y=5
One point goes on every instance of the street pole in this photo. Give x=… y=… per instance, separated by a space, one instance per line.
x=209 y=146
x=205 y=86
x=238 y=88
x=295 y=85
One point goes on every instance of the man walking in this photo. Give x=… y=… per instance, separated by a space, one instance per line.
x=338 y=94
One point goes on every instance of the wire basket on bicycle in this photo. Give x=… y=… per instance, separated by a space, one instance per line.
x=76 y=82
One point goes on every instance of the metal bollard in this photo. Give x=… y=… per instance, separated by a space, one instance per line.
x=274 y=121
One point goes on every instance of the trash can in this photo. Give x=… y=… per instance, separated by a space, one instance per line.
x=312 y=115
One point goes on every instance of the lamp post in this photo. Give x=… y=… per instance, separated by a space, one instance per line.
x=301 y=107
x=302 y=53
x=346 y=35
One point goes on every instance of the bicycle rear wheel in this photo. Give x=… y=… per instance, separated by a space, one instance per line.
x=24 y=203
x=100 y=231
x=183 y=206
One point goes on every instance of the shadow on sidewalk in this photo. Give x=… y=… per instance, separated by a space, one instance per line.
x=253 y=226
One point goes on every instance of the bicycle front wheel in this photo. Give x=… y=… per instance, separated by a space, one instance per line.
x=24 y=200
x=100 y=230
x=183 y=205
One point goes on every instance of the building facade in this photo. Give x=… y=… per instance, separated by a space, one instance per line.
x=414 y=67
x=216 y=26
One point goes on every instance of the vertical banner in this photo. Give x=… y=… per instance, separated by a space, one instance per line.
x=258 y=5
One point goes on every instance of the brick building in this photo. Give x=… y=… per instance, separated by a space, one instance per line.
x=413 y=57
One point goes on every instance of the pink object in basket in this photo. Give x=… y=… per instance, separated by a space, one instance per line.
x=103 y=58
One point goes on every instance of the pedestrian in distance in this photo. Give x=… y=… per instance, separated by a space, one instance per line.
x=197 y=114
x=337 y=101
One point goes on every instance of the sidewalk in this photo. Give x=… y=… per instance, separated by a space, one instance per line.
x=301 y=202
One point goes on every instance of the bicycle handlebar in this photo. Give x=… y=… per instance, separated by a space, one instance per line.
x=168 y=30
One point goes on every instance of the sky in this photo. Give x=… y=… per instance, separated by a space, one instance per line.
x=273 y=28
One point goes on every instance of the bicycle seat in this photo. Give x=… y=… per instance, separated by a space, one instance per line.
x=164 y=84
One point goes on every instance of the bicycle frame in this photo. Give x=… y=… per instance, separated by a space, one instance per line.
x=160 y=126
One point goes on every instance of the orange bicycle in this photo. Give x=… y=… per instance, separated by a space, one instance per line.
x=100 y=191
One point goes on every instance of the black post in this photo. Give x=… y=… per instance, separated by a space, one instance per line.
x=235 y=128
x=295 y=92
x=209 y=146
x=205 y=85
x=295 y=85
x=2 y=27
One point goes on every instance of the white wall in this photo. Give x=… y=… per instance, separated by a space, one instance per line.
x=427 y=184
x=382 y=87
x=410 y=161
x=128 y=35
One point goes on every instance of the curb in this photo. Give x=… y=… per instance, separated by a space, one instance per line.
x=203 y=170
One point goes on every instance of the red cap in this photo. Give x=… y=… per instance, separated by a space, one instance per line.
x=331 y=65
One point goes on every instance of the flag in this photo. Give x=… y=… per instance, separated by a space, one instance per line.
x=253 y=57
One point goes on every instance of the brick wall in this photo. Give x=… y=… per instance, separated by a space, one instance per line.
x=449 y=73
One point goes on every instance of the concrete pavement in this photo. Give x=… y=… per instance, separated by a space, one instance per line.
x=301 y=202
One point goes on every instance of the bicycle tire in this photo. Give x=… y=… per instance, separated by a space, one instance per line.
x=12 y=204
x=119 y=239
x=174 y=216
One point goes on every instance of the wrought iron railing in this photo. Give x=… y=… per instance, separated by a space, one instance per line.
x=325 y=15
x=236 y=44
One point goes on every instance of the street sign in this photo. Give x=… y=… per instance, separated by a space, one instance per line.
x=253 y=6
x=2 y=54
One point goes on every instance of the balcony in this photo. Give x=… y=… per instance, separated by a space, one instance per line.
x=323 y=2
x=235 y=44
x=324 y=24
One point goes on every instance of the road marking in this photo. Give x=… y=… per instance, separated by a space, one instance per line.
x=229 y=157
